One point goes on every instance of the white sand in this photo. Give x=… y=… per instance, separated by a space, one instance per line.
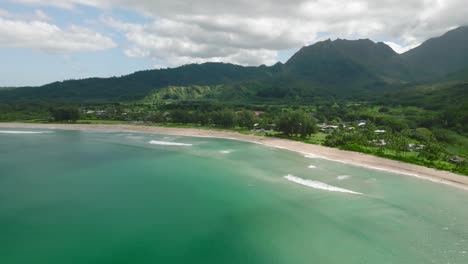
x=349 y=157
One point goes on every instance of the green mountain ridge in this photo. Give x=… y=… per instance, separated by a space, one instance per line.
x=440 y=56
x=326 y=68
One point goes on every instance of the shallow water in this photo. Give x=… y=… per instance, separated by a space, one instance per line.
x=95 y=197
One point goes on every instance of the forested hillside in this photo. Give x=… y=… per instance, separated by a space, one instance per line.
x=355 y=95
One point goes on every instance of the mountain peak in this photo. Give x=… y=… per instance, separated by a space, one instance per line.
x=439 y=56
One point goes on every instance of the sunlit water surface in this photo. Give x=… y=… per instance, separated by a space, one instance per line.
x=101 y=197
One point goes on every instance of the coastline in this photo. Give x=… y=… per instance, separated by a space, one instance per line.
x=343 y=156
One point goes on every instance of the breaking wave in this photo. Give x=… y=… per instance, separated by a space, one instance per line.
x=225 y=151
x=312 y=167
x=311 y=156
x=23 y=132
x=343 y=177
x=318 y=185
x=165 y=143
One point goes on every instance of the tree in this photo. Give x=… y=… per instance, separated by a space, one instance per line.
x=398 y=141
x=64 y=114
x=157 y=117
x=224 y=118
x=384 y=109
x=298 y=123
x=432 y=151
x=246 y=119
x=179 y=116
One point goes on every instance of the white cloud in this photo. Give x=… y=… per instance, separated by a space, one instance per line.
x=252 y=32
x=400 y=49
x=41 y=35
x=66 y=4
x=36 y=15
x=179 y=42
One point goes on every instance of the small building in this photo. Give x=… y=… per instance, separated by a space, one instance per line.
x=415 y=147
x=328 y=128
x=457 y=160
x=258 y=113
x=379 y=142
x=379 y=131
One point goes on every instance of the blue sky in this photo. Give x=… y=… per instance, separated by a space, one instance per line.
x=29 y=66
x=42 y=41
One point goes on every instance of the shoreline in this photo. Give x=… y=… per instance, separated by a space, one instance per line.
x=332 y=154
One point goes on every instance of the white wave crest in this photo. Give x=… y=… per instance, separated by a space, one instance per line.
x=312 y=167
x=24 y=132
x=225 y=151
x=318 y=185
x=165 y=143
x=343 y=177
x=311 y=156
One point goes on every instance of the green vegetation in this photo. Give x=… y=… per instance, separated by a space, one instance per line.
x=296 y=123
x=354 y=95
x=64 y=114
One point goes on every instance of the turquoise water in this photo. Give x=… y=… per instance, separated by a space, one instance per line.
x=95 y=197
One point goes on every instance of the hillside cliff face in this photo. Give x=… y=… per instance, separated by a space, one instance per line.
x=438 y=57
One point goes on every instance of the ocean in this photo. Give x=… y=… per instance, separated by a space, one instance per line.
x=107 y=197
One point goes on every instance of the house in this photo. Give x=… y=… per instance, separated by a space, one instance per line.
x=415 y=147
x=379 y=142
x=328 y=128
x=258 y=113
x=457 y=160
x=379 y=131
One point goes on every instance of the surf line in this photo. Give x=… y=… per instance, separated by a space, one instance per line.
x=318 y=185
x=165 y=143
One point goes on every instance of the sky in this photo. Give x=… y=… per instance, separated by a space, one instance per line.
x=42 y=41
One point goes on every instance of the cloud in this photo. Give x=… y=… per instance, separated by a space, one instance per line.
x=182 y=42
x=36 y=15
x=65 y=4
x=41 y=35
x=400 y=49
x=252 y=32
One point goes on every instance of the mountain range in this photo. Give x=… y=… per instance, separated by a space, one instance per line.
x=339 y=67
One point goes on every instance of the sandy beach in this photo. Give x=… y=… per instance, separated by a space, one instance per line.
x=349 y=157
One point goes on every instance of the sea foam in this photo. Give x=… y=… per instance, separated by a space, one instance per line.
x=165 y=143
x=312 y=167
x=225 y=151
x=343 y=177
x=311 y=156
x=318 y=185
x=23 y=132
